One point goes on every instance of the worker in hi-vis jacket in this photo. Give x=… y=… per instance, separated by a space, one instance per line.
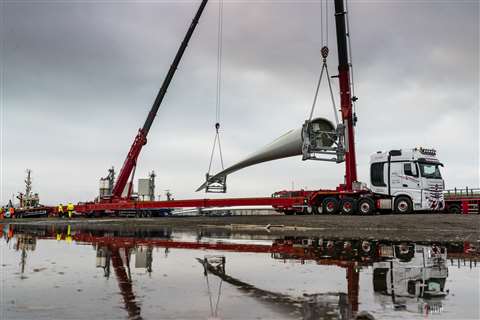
x=70 y=209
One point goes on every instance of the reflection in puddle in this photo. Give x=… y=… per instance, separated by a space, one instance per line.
x=232 y=276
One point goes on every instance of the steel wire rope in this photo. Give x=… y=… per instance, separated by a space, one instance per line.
x=218 y=297
x=324 y=51
x=326 y=22
x=218 y=88
x=213 y=312
x=208 y=289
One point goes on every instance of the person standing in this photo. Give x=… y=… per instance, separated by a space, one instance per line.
x=60 y=210
x=70 y=210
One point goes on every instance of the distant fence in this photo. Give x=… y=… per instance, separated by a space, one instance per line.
x=467 y=192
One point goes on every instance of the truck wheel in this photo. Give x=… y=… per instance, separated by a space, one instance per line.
x=347 y=206
x=330 y=205
x=454 y=208
x=365 y=206
x=403 y=205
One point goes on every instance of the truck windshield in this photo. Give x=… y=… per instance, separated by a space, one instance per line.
x=430 y=170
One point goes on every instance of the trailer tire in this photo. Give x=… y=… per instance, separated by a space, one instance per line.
x=330 y=205
x=403 y=205
x=308 y=210
x=454 y=208
x=347 y=206
x=365 y=206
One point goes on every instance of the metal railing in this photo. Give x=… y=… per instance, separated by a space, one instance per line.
x=467 y=192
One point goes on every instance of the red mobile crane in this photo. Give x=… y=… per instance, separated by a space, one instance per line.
x=121 y=200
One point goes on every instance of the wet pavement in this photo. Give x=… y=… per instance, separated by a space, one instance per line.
x=63 y=271
x=413 y=227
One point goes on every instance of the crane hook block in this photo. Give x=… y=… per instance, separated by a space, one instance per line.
x=324 y=52
x=217 y=126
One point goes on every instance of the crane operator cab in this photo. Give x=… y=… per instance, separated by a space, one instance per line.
x=410 y=179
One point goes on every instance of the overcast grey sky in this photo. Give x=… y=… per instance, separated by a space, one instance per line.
x=78 y=78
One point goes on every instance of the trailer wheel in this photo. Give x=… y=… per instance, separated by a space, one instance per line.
x=403 y=204
x=347 y=206
x=330 y=205
x=455 y=208
x=365 y=206
x=308 y=210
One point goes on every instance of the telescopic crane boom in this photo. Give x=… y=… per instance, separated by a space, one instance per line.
x=345 y=95
x=128 y=168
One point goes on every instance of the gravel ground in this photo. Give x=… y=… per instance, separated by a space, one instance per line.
x=418 y=227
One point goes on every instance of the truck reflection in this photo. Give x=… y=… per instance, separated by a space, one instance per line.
x=407 y=274
x=413 y=275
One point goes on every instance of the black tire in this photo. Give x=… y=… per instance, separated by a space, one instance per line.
x=316 y=210
x=330 y=205
x=455 y=208
x=347 y=206
x=403 y=205
x=289 y=212
x=365 y=206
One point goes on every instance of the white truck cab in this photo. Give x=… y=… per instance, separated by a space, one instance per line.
x=410 y=180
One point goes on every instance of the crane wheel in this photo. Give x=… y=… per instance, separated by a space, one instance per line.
x=403 y=205
x=308 y=210
x=454 y=208
x=347 y=206
x=330 y=205
x=365 y=206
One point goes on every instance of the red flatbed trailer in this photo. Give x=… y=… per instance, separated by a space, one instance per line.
x=462 y=200
x=117 y=206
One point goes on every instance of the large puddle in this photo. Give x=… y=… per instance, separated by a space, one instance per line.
x=53 y=272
